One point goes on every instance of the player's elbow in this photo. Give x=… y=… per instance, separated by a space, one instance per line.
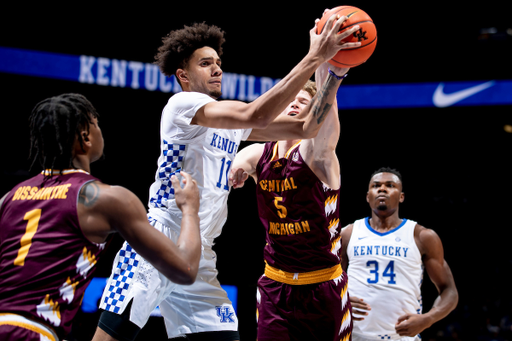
x=186 y=276
x=186 y=280
x=455 y=297
x=300 y=129
x=190 y=276
x=257 y=117
x=310 y=127
x=259 y=121
x=189 y=281
x=310 y=133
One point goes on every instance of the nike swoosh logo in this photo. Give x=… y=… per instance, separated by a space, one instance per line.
x=442 y=100
x=362 y=237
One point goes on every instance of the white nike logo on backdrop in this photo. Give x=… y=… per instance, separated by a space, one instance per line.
x=442 y=100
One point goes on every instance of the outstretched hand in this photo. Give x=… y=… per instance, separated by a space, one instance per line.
x=328 y=42
x=237 y=177
x=187 y=198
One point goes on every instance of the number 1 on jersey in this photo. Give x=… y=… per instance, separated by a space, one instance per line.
x=228 y=166
x=26 y=241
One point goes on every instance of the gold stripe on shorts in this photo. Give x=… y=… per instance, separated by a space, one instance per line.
x=23 y=322
x=303 y=278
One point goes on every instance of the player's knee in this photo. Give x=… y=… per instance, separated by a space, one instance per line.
x=117 y=327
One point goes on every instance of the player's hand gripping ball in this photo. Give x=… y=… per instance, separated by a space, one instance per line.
x=367 y=35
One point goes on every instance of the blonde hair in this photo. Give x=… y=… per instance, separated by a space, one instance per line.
x=310 y=88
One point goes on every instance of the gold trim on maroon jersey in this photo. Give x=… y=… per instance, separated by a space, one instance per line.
x=303 y=278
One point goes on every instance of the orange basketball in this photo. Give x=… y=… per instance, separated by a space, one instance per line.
x=367 y=35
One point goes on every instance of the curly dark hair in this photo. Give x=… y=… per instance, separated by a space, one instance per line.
x=180 y=44
x=55 y=123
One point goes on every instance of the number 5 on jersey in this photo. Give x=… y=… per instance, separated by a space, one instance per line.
x=282 y=212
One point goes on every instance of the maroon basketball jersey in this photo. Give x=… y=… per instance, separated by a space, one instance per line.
x=46 y=262
x=299 y=212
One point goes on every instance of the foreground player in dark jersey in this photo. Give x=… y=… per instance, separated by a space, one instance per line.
x=54 y=227
x=303 y=293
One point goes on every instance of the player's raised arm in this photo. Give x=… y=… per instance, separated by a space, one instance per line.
x=320 y=152
x=308 y=122
x=261 y=112
x=104 y=209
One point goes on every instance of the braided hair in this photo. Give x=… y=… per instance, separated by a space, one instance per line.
x=55 y=124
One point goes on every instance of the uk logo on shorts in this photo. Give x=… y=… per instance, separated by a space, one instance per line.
x=225 y=314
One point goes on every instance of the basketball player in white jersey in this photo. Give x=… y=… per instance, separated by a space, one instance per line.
x=384 y=256
x=201 y=135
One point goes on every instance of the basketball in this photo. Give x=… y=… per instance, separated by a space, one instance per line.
x=367 y=35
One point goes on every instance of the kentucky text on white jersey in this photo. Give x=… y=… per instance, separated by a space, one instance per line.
x=385 y=269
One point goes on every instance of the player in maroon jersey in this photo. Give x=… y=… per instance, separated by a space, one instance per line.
x=54 y=227
x=303 y=293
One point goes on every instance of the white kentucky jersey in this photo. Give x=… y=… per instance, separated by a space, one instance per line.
x=205 y=153
x=386 y=270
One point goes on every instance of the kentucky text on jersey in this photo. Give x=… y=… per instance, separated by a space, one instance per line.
x=289 y=228
x=44 y=193
x=384 y=250
x=224 y=144
x=278 y=185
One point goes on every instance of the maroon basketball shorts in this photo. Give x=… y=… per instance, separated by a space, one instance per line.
x=291 y=307
x=15 y=327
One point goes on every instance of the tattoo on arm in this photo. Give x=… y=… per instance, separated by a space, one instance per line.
x=89 y=194
x=320 y=108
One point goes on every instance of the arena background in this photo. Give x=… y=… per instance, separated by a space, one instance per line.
x=455 y=161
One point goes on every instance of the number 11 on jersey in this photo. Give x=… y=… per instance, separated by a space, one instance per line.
x=228 y=166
